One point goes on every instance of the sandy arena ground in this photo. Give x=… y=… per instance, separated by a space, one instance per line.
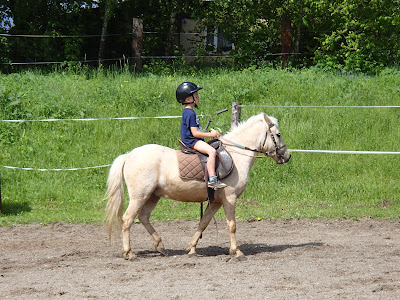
x=285 y=260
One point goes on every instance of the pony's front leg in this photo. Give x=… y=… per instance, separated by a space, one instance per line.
x=212 y=208
x=229 y=207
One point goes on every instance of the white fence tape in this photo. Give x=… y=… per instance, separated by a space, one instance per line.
x=291 y=150
x=71 y=169
x=343 y=151
x=323 y=106
x=93 y=119
x=200 y=115
x=173 y=117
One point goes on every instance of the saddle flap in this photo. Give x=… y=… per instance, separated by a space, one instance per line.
x=224 y=162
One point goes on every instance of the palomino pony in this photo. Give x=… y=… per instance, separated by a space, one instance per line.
x=151 y=172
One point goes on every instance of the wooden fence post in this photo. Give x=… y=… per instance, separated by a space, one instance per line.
x=137 y=43
x=236 y=111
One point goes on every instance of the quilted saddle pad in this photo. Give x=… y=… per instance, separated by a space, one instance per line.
x=189 y=166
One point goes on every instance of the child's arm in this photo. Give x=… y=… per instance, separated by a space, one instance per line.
x=201 y=135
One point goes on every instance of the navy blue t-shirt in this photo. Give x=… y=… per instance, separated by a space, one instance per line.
x=189 y=119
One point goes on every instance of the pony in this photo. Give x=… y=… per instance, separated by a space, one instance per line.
x=151 y=172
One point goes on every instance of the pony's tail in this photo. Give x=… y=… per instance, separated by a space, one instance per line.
x=115 y=195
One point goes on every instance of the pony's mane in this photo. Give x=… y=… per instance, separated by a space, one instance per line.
x=251 y=120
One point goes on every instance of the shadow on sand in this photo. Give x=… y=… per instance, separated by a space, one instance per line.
x=247 y=249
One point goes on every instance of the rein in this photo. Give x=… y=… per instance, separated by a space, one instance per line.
x=237 y=145
x=277 y=151
x=243 y=153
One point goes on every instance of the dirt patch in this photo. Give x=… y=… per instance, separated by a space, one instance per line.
x=285 y=260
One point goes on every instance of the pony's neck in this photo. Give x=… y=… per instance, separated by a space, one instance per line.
x=247 y=135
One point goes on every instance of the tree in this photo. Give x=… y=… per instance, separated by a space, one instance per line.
x=350 y=35
x=363 y=35
x=41 y=17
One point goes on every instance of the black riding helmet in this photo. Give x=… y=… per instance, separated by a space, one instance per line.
x=185 y=90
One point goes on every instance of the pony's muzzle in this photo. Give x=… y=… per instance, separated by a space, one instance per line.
x=283 y=156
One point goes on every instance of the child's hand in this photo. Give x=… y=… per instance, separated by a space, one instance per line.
x=214 y=133
x=218 y=130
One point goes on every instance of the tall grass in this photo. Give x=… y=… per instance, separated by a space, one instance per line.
x=310 y=186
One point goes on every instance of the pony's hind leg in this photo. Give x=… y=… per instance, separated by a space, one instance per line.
x=144 y=218
x=127 y=221
x=134 y=209
x=140 y=189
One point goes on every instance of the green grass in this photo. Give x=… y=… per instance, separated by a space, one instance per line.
x=309 y=186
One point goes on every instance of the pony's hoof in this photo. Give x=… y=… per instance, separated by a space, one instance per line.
x=159 y=246
x=241 y=258
x=129 y=255
x=236 y=255
x=192 y=254
x=237 y=258
x=162 y=251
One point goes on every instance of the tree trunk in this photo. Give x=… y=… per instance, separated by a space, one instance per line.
x=298 y=34
x=286 y=39
x=137 y=43
x=102 y=47
x=172 y=38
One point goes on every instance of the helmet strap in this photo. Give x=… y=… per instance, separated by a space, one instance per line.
x=194 y=102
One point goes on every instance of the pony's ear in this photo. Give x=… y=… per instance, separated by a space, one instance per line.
x=268 y=120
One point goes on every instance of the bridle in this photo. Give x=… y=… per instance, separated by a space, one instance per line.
x=277 y=151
